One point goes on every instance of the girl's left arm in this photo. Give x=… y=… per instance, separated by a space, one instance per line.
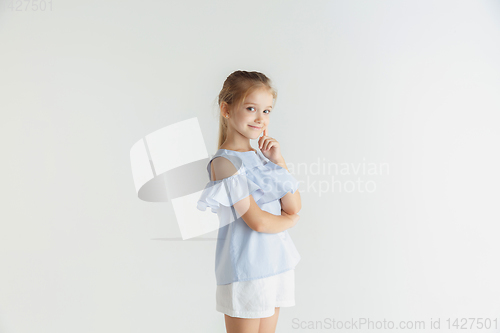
x=290 y=203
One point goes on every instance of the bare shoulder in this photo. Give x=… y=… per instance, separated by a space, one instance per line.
x=222 y=168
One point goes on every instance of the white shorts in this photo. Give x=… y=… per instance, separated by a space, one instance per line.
x=256 y=298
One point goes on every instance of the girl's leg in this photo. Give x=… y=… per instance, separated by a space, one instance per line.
x=242 y=325
x=268 y=325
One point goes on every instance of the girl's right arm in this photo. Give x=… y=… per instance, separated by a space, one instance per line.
x=262 y=221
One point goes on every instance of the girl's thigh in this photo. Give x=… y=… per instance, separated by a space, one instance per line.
x=268 y=324
x=242 y=325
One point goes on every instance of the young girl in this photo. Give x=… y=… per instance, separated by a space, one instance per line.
x=256 y=200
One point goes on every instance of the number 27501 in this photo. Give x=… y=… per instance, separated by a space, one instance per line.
x=24 y=5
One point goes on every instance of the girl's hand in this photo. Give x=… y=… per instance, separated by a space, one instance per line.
x=270 y=148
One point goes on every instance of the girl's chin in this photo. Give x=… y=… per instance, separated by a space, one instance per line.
x=252 y=135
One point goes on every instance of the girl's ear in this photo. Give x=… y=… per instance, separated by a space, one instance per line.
x=223 y=109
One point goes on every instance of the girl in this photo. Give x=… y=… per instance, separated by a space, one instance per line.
x=255 y=256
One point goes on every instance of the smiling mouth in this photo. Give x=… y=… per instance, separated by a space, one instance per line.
x=254 y=127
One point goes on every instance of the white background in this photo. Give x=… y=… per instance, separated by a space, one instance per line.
x=412 y=84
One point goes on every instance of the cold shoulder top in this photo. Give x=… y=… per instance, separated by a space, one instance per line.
x=243 y=254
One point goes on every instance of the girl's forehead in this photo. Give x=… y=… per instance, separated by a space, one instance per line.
x=260 y=92
x=259 y=97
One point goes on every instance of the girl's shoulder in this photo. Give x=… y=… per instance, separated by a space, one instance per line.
x=258 y=173
x=242 y=161
x=247 y=159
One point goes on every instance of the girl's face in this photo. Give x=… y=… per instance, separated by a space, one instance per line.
x=252 y=117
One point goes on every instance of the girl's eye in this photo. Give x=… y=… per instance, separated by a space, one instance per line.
x=251 y=107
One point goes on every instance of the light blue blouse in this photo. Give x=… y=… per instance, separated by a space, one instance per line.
x=242 y=253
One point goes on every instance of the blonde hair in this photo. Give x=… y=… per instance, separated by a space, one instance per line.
x=237 y=86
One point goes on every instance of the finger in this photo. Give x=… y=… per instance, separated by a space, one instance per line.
x=264 y=143
x=269 y=145
x=274 y=143
x=265 y=131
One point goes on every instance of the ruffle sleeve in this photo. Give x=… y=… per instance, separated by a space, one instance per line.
x=274 y=180
x=227 y=192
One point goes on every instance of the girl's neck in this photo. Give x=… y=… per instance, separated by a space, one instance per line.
x=236 y=141
x=237 y=148
x=237 y=145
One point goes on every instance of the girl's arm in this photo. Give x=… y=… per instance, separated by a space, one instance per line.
x=290 y=203
x=256 y=218
x=262 y=221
